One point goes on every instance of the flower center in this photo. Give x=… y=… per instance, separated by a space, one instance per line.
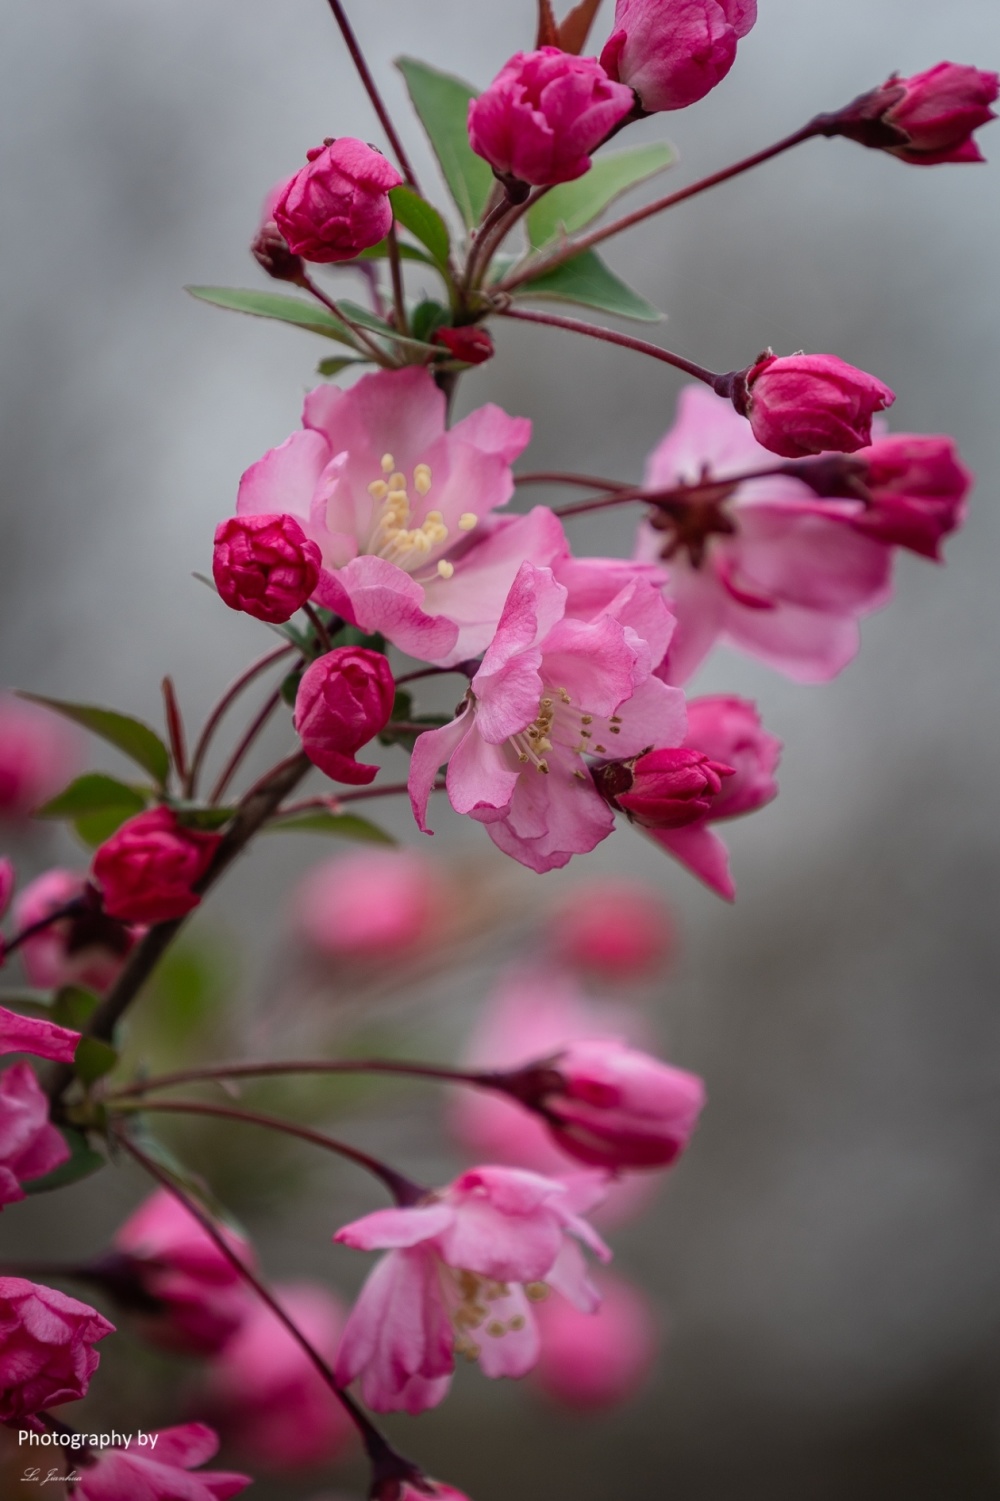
x=471 y=1312
x=561 y=721
x=393 y=537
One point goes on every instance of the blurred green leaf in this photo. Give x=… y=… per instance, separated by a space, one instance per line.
x=380 y=252
x=423 y=221
x=83 y=1161
x=340 y=825
x=74 y=1006
x=94 y=828
x=442 y=103
x=188 y=990
x=572 y=205
x=336 y=363
x=126 y=734
x=279 y=307
x=588 y=281
x=204 y=818
x=94 y=1059
x=427 y=318
x=87 y=793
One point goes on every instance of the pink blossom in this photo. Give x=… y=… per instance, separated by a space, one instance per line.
x=46 y=1348
x=401 y=508
x=667 y=789
x=550 y=691
x=88 y=948
x=461 y=1274
x=344 y=699
x=148 y=869
x=39 y=754
x=673 y=52
x=265 y=566
x=590 y=1362
x=620 y=929
x=165 y=1251
x=338 y=204
x=543 y=115
x=265 y=1392
x=811 y=403
x=775 y=570
x=938 y=112
x=372 y=905
x=159 y=1472
x=916 y=490
x=725 y=727
x=37 y=1035
x=30 y=1146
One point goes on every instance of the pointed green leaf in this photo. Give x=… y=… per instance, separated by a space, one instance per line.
x=95 y=827
x=94 y=1059
x=83 y=1161
x=74 y=1006
x=423 y=221
x=128 y=735
x=340 y=825
x=203 y=818
x=588 y=281
x=380 y=252
x=91 y=793
x=336 y=363
x=573 y=205
x=442 y=103
x=277 y=306
x=368 y=320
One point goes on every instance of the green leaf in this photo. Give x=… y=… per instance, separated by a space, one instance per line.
x=427 y=318
x=336 y=363
x=340 y=825
x=380 y=252
x=442 y=103
x=128 y=735
x=204 y=818
x=94 y=828
x=94 y=1059
x=277 y=306
x=573 y=205
x=97 y=805
x=368 y=320
x=423 y=221
x=587 y=280
x=74 y=1006
x=83 y=1161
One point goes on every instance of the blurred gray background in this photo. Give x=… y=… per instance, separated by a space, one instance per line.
x=829 y=1253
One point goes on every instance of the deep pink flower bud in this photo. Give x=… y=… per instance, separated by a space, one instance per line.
x=800 y=404
x=88 y=948
x=621 y=929
x=345 y=698
x=265 y=1393
x=265 y=566
x=543 y=115
x=46 y=1348
x=610 y=1106
x=39 y=754
x=197 y=1298
x=917 y=490
x=149 y=867
x=593 y=1361
x=37 y=1035
x=729 y=728
x=338 y=204
x=471 y=345
x=671 y=788
x=30 y=1146
x=160 y=1472
x=673 y=52
x=925 y=120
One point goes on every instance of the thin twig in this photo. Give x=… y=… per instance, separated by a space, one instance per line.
x=231 y=693
x=364 y=73
x=611 y=336
x=315 y=620
x=364 y=338
x=563 y=477
x=246 y=741
x=211 y=1073
x=398 y=291
x=175 y=729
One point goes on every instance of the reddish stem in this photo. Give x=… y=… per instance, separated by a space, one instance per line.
x=364 y=73
x=246 y=741
x=175 y=729
x=562 y=477
x=214 y=1072
x=231 y=694
x=611 y=336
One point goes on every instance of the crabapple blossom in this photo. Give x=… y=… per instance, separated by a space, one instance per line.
x=543 y=115
x=148 y=869
x=85 y=948
x=925 y=120
x=37 y=1035
x=371 y=905
x=265 y=566
x=47 y=1353
x=462 y=1269
x=915 y=491
x=401 y=505
x=772 y=568
x=161 y=1472
x=39 y=754
x=30 y=1146
x=590 y=1362
x=198 y=1298
x=344 y=699
x=670 y=788
x=337 y=204
x=620 y=929
x=674 y=52
x=802 y=404
x=550 y=691
x=266 y=1395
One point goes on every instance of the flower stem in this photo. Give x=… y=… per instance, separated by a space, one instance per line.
x=175 y=729
x=396 y=271
x=562 y=477
x=231 y=694
x=361 y=335
x=364 y=73
x=611 y=336
x=262 y=1070
x=315 y=620
x=246 y=741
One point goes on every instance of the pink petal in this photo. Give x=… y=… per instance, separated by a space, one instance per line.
x=491 y=430
x=396 y=1228
x=384 y=598
x=704 y=854
x=431 y=751
x=29 y=1034
x=481 y=777
x=285 y=479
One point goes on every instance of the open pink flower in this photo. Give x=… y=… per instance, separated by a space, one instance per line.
x=30 y=1146
x=88 y=948
x=673 y=52
x=592 y=1362
x=265 y=1393
x=160 y=1471
x=543 y=115
x=39 y=753
x=781 y=574
x=37 y=1035
x=462 y=1269
x=47 y=1353
x=551 y=691
x=168 y=1254
x=400 y=507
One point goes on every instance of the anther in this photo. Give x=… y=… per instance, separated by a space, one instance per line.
x=536 y=1291
x=378 y=489
x=467 y=520
x=422 y=478
x=388 y=463
x=445 y=569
